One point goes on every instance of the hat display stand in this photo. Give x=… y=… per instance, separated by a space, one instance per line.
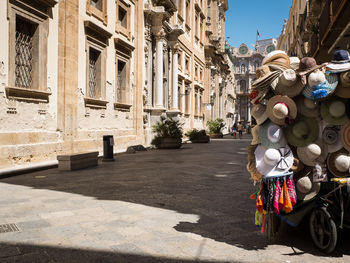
x=314 y=121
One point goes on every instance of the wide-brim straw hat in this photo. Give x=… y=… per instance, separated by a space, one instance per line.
x=345 y=135
x=302 y=132
x=343 y=88
x=307 y=65
x=294 y=62
x=264 y=77
x=289 y=84
x=331 y=163
x=333 y=111
x=251 y=166
x=272 y=136
x=306 y=189
x=327 y=88
x=255 y=135
x=259 y=113
x=278 y=166
x=277 y=57
x=330 y=134
x=273 y=110
x=308 y=157
x=307 y=107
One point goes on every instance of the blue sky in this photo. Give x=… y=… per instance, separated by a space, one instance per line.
x=244 y=17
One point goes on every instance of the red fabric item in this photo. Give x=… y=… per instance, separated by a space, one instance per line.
x=291 y=190
x=277 y=197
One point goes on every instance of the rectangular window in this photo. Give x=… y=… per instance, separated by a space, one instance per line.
x=187 y=65
x=188 y=13
x=195 y=104
x=179 y=100
x=97 y=4
x=97 y=8
x=180 y=60
x=201 y=75
x=201 y=30
x=121 y=81
x=200 y=105
x=187 y=99
x=94 y=90
x=24 y=53
x=123 y=18
x=196 y=25
x=196 y=73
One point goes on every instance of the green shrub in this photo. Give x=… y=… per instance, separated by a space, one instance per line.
x=195 y=134
x=215 y=126
x=166 y=128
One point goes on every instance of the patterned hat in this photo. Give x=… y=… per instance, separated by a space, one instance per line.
x=323 y=90
x=340 y=61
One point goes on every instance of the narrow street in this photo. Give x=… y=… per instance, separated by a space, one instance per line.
x=154 y=206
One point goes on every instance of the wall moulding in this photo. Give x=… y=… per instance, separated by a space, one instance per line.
x=95 y=103
x=27 y=94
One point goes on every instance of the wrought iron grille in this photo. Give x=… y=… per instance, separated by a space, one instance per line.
x=93 y=56
x=24 y=55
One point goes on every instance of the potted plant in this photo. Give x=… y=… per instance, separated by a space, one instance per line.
x=196 y=136
x=168 y=133
x=215 y=127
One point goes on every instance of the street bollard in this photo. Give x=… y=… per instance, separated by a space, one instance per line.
x=108 y=143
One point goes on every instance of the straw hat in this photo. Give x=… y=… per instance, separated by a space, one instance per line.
x=334 y=111
x=289 y=84
x=307 y=65
x=302 y=132
x=307 y=107
x=340 y=61
x=294 y=62
x=255 y=134
x=277 y=57
x=271 y=135
x=280 y=109
x=264 y=76
x=306 y=189
x=345 y=135
x=259 y=113
x=271 y=161
x=316 y=91
x=331 y=137
x=313 y=153
x=343 y=88
x=251 y=166
x=339 y=163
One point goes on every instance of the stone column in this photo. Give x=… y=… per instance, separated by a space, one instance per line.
x=175 y=89
x=159 y=96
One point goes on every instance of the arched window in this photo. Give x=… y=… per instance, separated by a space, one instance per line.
x=243 y=68
x=242 y=86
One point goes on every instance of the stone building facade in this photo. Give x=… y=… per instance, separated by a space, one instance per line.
x=316 y=29
x=72 y=71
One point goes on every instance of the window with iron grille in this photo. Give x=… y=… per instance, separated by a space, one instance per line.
x=94 y=90
x=24 y=53
x=121 y=81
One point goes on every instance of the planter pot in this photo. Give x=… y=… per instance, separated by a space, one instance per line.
x=169 y=143
x=203 y=139
x=216 y=135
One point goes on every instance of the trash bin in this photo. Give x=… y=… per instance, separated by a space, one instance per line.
x=108 y=143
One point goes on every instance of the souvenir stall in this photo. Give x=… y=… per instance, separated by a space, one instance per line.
x=299 y=155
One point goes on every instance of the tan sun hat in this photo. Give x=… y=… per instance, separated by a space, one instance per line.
x=289 y=84
x=343 y=88
x=264 y=76
x=339 y=163
x=297 y=165
x=313 y=153
x=306 y=189
x=294 y=62
x=307 y=107
x=259 y=113
x=277 y=57
x=280 y=109
x=345 y=135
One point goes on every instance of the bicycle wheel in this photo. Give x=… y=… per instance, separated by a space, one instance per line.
x=323 y=230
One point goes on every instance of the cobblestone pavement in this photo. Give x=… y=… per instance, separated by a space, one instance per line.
x=186 y=205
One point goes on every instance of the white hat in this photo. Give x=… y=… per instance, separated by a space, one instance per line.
x=312 y=153
x=339 y=163
x=343 y=88
x=305 y=187
x=316 y=77
x=271 y=161
x=289 y=84
x=294 y=62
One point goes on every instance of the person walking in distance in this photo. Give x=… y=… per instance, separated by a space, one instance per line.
x=240 y=129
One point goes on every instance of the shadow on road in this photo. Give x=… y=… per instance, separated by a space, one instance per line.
x=209 y=180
